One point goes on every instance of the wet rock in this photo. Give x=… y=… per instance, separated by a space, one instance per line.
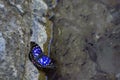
x=103 y=77
x=113 y=7
x=109 y=51
x=80 y=46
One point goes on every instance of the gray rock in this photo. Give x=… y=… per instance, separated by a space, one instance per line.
x=16 y=22
x=39 y=35
x=80 y=45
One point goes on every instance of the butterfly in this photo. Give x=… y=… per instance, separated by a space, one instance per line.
x=39 y=59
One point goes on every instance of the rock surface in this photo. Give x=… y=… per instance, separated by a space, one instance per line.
x=14 y=39
x=85 y=44
x=19 y=24
x=38 y=8
x=86 y=41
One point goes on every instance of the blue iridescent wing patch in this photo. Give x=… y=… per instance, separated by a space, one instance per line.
x=44 y=60
x=36 y=51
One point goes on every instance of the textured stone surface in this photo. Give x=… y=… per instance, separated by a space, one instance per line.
x=84 y=41
x=86 y=38
x=14 y=39
x=20 y=23
x=38 y=8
